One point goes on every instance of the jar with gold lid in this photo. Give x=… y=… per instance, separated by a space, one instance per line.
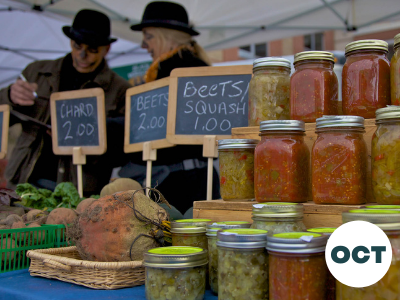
x=365 y=78
x=269 y=90
x=190 y=232
x=313 y=86
x=395 y=72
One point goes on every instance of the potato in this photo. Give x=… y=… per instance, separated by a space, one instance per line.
x=36 y=237
x=19 y=236
x=10 y=220
x=36 y=215
x=61 y=215
x=10 y=243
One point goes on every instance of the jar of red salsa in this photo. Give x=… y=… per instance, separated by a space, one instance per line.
x=395 y=72
x=269 y=90
x=282 y=162
x=339 y=161
x=297 y=269
x=365 y=78
x=313 y=86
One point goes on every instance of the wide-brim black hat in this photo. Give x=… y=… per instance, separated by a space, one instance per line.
x=90 y=27
x=167 y=15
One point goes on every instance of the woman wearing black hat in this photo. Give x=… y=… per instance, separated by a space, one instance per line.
x=181 y=171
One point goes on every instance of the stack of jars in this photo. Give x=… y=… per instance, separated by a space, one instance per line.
x=190 y=232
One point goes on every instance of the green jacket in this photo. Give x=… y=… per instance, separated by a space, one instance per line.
x=46 y=74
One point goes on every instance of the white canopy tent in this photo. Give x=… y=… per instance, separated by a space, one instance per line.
x=32 y=28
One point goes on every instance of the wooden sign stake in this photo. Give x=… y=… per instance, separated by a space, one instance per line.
x=79 y=159
x=210 y=150
x=149 y=155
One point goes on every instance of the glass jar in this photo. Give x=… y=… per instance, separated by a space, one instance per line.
x=339 y=161
x=365 y=78
x=242 y=264
x=395 y=72
x=297 y=265
x=393 y=207
x=175 y=273
x=385 y=156
x=187 y=223
x=322 y=230
x=269 y=90
x=388 y=288
x=278 y=217
x=212 y=230
x=236 y=168
x=313 y=86
x=190 y=232
x=282 y=163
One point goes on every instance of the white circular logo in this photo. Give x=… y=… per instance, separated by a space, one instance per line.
x=358 y=254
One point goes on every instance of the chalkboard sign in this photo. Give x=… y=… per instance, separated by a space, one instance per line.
x=78 y=120
x=207 y=101
x=4 y=121
x=146 y=116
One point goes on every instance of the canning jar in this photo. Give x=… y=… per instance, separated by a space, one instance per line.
x=175 y=273
x=313 y=86
x=212 y=230
x=388 y=288
x=365 y=78
x=277 y=217
x=236 y=167
x=242 y=264
x=385 y=156
x=339 y=161
x=269 y=90
x=395 y=72
x=282 y=163
x=322 y=230
x=393 y=207
x=189 y=232
x=297 y=265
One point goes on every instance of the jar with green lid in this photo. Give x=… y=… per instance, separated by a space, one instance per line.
x=242 y=264
x=190 y=232
x=365 y=78
x=392 y=207
x=395 y=72
x=236 y=168
x=313 y=86
x=385 y=156
x=269 y=90
x=322 y=230
x=278 y=217
x=297 y=263
x=339 y=161
x=175 y=273
x=212 y=230
x=388 y=288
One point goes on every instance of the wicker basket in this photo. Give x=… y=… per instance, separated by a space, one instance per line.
x=65 y=264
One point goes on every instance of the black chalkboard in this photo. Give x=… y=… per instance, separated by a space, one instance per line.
x=211 y=105
x=77 y=122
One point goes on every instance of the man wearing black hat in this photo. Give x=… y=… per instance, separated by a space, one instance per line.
x=85 y=67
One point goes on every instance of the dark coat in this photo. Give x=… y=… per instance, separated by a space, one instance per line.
x=46 y=74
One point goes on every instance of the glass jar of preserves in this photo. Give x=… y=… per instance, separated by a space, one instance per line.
x=269 y=90
x=282 y=163
x=212 y=230
x=385 y=156
x=313 y=86
x=395 y=72
x=175 y=273
x=393 y=207
x=297 y=265
x=365 y=78
x=190 y=232
x=278 y=217
x=388 y=287
x=339 y=161
x=236 y=168
x=242 y=264
x=322 y=230
x=187 y=223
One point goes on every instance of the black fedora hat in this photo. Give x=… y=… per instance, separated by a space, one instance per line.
x=90 y=27
x=165 y=14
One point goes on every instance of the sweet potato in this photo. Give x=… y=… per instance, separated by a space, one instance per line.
x=84 y=204
x=61 y=215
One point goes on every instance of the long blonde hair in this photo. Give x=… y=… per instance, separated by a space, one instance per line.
x=169 y=39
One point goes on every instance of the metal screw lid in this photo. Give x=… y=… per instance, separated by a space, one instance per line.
x=271 y=62
x=242 y=238
x=189 y=223
x=394 y=207
x=396 y=40
x=297 y=242
x=314 y=55
x=282 y=125
x=188 y=230
x=237 y=144
x=388 y=112
x=323 y=230
x=386 y=219
x=277 y=210
x=340 y=121
x=173 y=257
x=366 y=45
x=213 y=228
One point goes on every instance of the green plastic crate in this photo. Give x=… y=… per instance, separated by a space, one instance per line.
x=14 y=243
x=60 y=239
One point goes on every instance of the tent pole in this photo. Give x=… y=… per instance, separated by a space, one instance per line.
x=335 y=12
x=378 y=20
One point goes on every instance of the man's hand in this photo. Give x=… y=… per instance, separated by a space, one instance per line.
x=22 y=93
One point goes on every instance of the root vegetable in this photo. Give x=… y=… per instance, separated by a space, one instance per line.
x=121 y=185
x=84 y=204
x=19 y=236
x=10 y=220
x=8 y=244
x=36 y=215
x=36 y=237
x=61 y=215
